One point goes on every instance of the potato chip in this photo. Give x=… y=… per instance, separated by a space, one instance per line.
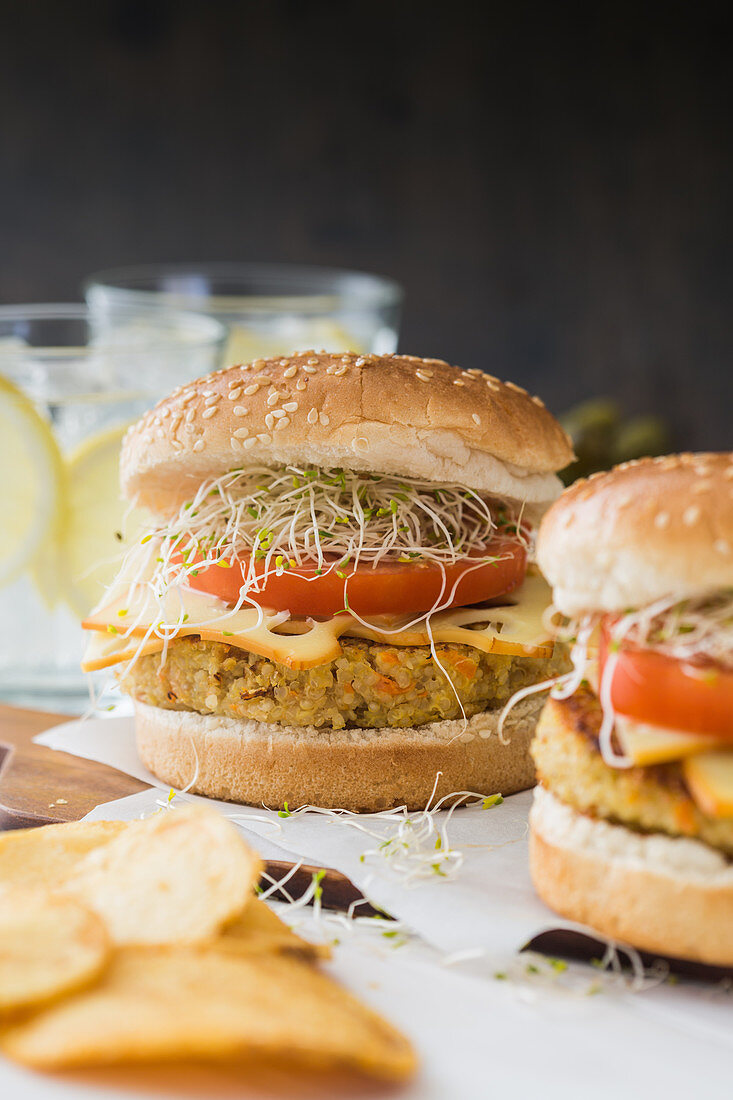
x=49 y=946
x=259 y=931
x=176 y=877
x=165 y=1004
x=47 y=855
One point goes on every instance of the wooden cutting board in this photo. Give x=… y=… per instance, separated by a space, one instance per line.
x=41 y=786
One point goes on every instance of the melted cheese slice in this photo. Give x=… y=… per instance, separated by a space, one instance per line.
x=515 y=629
x=710 y=780
x=648 y=745
x=707 y=762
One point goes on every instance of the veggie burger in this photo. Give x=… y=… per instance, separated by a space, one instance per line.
x=333 y=601
x=632 y=824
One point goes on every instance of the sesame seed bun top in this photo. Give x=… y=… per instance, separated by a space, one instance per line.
x=646 y=530
x=393 y=414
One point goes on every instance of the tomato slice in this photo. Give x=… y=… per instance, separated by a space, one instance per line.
x=389 y=588
x=652 y=687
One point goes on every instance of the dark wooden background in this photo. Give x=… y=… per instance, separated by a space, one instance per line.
x=552 y=184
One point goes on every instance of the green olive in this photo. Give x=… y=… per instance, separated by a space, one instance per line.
x=644 y=435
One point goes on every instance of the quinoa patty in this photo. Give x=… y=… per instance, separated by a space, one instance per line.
x=371 y=685
x=652 y=799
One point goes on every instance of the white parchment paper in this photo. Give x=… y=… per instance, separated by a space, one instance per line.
x=473 y=1029
x=488 y=905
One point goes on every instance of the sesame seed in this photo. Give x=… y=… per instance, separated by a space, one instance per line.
x=661 y=520
x=310 y=369
x=248 y=443
x=156 y=421
x=273 y=398
x=493 y=385
x=474 y=372
x=476 y=418
x=258 y=364
x=313 y=416
x=290 y=371
x=240 y=433
x=282 y=423
x=235 y=444
x=208 y=413
x=198 y=445
x=211 y=701
x=458 y=382
x=208 y=393
x=301 y=384
x=284 y=362
x=277 y=413
x=340 y=370
x=691 y=515
x=325 y=419
x=702 y=486
x=538 y=401
x=291 y=407
x=722 y=546
x=264 y=437
x=235 y=393
x=360 y=362
x=239 y=410
x=212 y=400
x=190 y=414
x=251 y=388
x=159 y=433
x=424 y=376
x=515 y=387
x=176 y=445
x=269 y=421
x=312 y=363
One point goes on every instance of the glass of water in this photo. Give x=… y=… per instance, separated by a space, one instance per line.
x=68 y=391
x=268 y=309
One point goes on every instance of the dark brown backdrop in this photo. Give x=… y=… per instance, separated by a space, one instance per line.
x=555 y=196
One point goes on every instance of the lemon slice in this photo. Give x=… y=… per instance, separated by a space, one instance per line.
x=245 y=344
x=96 y=519
x=33 y=482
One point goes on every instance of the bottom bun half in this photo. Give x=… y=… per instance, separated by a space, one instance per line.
x=364 y=770
x=660 y=894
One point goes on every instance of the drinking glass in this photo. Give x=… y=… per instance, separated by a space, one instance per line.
x=68 y=391
x=268 y=309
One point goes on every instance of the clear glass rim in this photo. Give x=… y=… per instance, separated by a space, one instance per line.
x=197 y=330
x=302 y=287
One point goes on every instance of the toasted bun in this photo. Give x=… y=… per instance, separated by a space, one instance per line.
x=641 y=532
x=659 y=894
x=354 y=769
x=390 y=414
